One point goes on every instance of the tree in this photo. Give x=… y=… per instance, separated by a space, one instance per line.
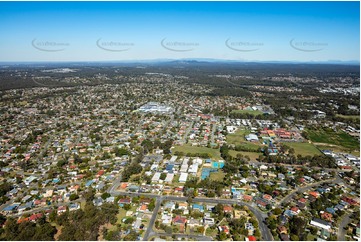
x=108 y=212
x=244 y=231
x=157 y=224
x=254 y=222
x=163 y=176
x=127 y=207
x=44 y=232
x=11 y=229
x=53 y=215
x=2 y=219
x=129 y=220
x=131 y=169
x=291 y=151
x=112 y=235
x=61 y=163
x=121 y=151
x=168 y=230
x=73 y=197
x=89 y=195
x=257 y=233
x=222 y=236
x=105 y=195
x=27 y=230
x=135 y=200
x=200 y=230
x=68 y=233
x=297 y=225
x=151 y=205
x=294 y=237
x=62 y=219
x=277 y=211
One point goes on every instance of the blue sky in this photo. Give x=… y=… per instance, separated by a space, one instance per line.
x=110 y=31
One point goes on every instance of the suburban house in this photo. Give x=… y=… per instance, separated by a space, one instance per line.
x=319 y=223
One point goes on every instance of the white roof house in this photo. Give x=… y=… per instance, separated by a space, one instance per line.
x=193 y=168
x=156 y=177
x=28 y=180
x=166 y=219
x=183 y=177
x=231 y=129
x=169 y=177
x=185 y=161
x=197 y=161
x=263 y=167
x=320 y=223
x=154 y=167
x=173 y=159
x=26 y=198
x=251 y=137
x=184 y=168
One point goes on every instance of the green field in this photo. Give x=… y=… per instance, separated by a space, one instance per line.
x=348 y=116
x=336 y=148
x=303 y=149
x=237 y=136
x=214 y=153
x=254 y=112
x=328 y=136
x=252 y=155
x=217 y=176
x=238 y=139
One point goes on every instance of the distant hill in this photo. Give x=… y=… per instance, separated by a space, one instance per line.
x=20 y=75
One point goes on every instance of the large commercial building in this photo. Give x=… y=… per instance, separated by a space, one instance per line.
x=154 y=107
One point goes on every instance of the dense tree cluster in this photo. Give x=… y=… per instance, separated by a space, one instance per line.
x=148 y=145
x=133 y=168
x=84 y=224
x=41 y=230
x=316 y=160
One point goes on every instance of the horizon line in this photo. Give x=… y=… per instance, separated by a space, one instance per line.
x=209 y=60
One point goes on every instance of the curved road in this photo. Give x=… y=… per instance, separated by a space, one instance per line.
x=303 y=189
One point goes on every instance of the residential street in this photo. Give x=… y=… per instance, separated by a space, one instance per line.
x=152 y=219
x=303 y=189
x=261 y=216
x=341 y=232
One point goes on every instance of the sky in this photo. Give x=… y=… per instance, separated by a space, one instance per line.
x=122 y=31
